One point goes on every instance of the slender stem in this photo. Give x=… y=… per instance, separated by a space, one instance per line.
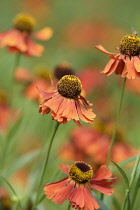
x=131 y=180
x=116 y=123
x=16 y=64
x=44 y=167
x=69 y=207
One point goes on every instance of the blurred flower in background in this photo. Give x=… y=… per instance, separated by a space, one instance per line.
x=5 y=201
x=92 y=144
x=7 y=115
x=19 y=39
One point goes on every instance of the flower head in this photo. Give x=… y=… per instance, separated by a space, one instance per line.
x=77 y=185
x=63 y=69
x=127 y=61
x=19 y=40
x=66 y=102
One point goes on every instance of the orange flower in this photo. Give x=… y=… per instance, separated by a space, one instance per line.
x=66 y=102
x=127 y=61
x=77 y=185
x=18 y=39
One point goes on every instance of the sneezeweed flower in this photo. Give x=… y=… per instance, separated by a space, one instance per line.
x=19 y=39
x=77 y=185
x=66 y=102
x=127 y=61
x=63 y=69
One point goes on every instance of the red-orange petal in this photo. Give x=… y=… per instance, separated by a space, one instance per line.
x=102 y=49
x=81 y=198
x=13 y=38
x=137 y=63
x=129 y=69
x=64 y=167
x=102 y=173
x=59 y=191
x=33 y=48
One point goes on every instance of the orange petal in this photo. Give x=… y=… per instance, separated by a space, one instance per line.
x=44 y=34
x=102 y=49
x=14 y=38
x=64 y=167
x=129 y=69
x=81 y=198
x=137 y=63
x=33 y=48
x=103 y=186
x=103 y=173
x=46 y=95
x=108 y=66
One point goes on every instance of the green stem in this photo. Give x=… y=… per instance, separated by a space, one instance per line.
x=69 y=207
x=133 y=175
x=16 y=64
x=116 y=123
x=45 y=167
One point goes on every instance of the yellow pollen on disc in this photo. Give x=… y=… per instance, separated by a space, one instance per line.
x=24 y=23
x=81 y=172
x=130 y=45
x=69 y=86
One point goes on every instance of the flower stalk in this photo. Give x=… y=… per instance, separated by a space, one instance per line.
x=45 y=167
x=116 y=123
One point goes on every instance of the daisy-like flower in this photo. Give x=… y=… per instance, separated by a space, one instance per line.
x=127 y=61
x=77 y=185
x=19 y=39
x=66 y=102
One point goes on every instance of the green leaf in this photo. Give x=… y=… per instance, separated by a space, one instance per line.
x=13 y=128
x=127 y=161
x=126 y=181
x=122 y=173
x=116 y=203
x=21 y=162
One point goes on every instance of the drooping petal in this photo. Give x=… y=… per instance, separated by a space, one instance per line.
x=44 y=34
x=46 y=95
x=33 y=48
x=129 y=69
x=102 y=173
x=120 y=67
x=14 y=38
x=54 y=103
x=108 y=66
x=137 y=63
x=102 y=180
x=64 y=167
x=59 y=191
x=81 y=198
x=102 y=49
x=71 y=110
x=84 y=114
x=103 y=186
